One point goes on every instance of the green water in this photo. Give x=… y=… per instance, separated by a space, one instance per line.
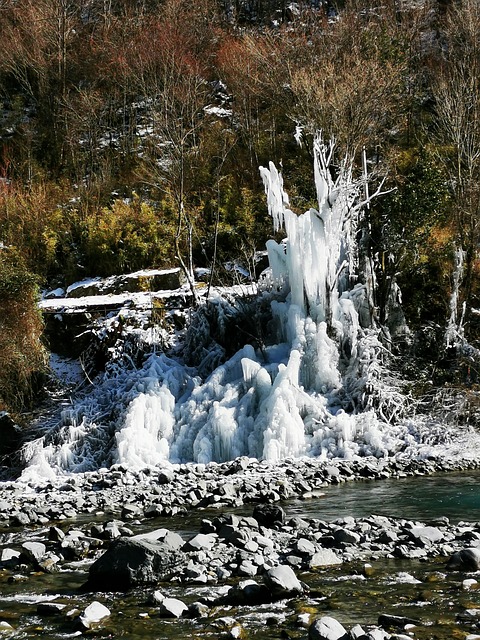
x=455 y=495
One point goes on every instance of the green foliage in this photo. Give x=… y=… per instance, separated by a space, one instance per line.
x=411 y=224
x=22 y=356
x=127 y=236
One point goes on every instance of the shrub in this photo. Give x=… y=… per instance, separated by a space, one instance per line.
x=22 y=356
x=127 y=236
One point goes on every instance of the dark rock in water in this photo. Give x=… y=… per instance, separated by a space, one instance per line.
x=396 y=622
x=327 y=628
x=50 y=608
x=465 y=560
x=269 y=515
x=129 y=562
x=248 y=592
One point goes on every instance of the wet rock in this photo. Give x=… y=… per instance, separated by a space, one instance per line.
x=395 y=622
x=132 y=561
x=465 y=560
x=327 y=628
x=425 y=536
x=50 y=608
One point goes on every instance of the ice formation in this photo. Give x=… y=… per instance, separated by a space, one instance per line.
x=317 y=388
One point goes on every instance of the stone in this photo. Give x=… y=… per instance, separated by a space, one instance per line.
x=129 y=562
x=324 y=558
x=396 y=622
x=169 y=539
x=465 y=560
x=426 y=536
x=93 y=615
x=282 y=582
x=327 y=628
x=205 y=541
x=269 y=515
x=33 y=551
x=346 y=536
x=50 y=608
x=172 y=608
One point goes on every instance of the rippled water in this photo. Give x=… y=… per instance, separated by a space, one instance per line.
x=456 y=496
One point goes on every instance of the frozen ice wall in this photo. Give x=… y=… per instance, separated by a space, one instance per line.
x=317 y=388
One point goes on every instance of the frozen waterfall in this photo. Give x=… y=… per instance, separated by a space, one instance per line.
x=318 y=387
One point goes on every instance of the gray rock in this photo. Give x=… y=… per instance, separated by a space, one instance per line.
x=169 y=539
x=205 y=541
x=282 y=582
x=327 y=628
x=324 y=558
x=426 y=536
x=129 y=562
x=346 y=536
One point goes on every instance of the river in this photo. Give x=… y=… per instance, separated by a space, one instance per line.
x=420 y=590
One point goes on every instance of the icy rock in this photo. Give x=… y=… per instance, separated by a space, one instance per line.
x=465 y=560
x=93 y=615
x=129 y=562
x=327 y=628
x=282 y=582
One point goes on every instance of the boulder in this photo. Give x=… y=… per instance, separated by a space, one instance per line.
x=465 y=560
x=172 y=608
x=327 y=628
x=282 y=582
x=269 y=515
x=93 y=615
x=324 y=558
x=133 y=561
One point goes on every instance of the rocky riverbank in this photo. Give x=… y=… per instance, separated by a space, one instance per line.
x=257 y=560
